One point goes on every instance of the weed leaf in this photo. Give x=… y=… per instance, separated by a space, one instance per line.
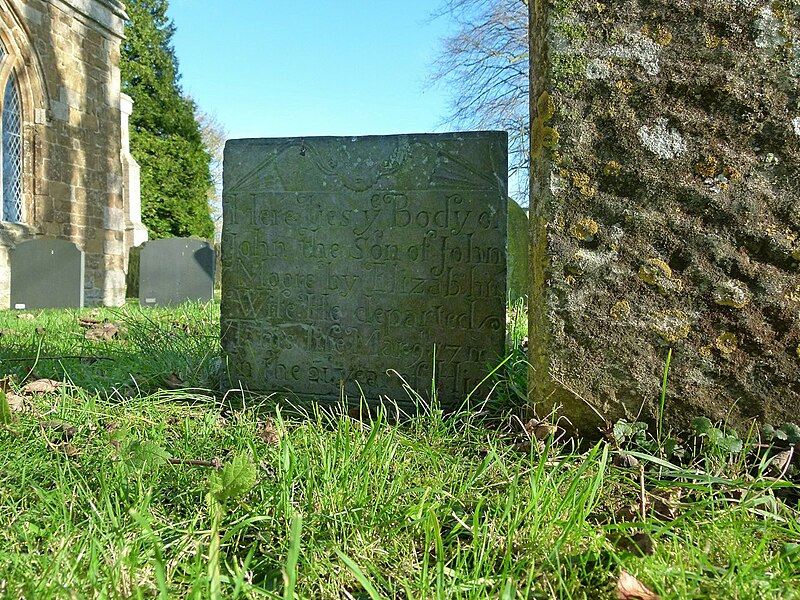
x=5 y=410
x=235 y=479
x=144 y=454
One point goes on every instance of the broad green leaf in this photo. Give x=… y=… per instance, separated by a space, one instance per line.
x=139 y=455
x=702 y=425
x=235 y=479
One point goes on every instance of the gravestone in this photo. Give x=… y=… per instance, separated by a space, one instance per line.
x=176 y=270
x=364 y=265
x=518 y=258
x=46 y=273
x=665 y=211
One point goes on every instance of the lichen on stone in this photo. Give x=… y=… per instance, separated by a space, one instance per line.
x=726 y=342
x=585 y=229
x=620 y=311
x=672 y=325
x=796 y=125
x=661 y=140
x=543 y=136
x=639 y=48
x=612 y=168
x=731 y=293
x=657 y=273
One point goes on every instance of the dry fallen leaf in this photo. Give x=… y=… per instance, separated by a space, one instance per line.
x=105 y=332
x=26 y=316
x=60 y=429
x=87 y=322
x=779 y=464
x=173 y=382
x=268 y=433
x=630 y=588
x=41 y=386
x=15 y=403
x=640 y=543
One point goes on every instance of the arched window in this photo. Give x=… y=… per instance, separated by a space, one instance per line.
x=12 y=154
x=11 y=164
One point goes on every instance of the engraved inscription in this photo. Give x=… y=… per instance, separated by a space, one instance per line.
x=350 y=265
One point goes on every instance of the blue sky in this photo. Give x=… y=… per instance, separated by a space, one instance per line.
x=275 y=68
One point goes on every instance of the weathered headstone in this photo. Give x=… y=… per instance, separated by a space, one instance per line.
x=176 y=270
x=348 y=261
x=518 y=256
x=665 y=210
x=46 y=273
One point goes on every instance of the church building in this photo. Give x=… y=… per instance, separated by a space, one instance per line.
x=66 y=168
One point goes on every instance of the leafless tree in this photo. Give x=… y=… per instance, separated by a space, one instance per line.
x=484 y=65
x=214 y=135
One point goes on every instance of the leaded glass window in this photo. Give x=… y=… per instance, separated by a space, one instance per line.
x=12 y=153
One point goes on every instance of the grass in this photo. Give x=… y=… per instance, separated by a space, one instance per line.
x=99 y=502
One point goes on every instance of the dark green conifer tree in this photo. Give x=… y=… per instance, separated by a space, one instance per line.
x=165 y=137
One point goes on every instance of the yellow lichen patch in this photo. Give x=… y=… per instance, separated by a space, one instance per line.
x=620 y=311
x=707 y=167
x=731 y=172
x=798 y=350
x=657 y=273
x=543 y=136
x=672 y=325
x=731 y=293
x=705 y=351
x=612 y=168
x=659 y=34
x=713 y=41
x=624 y=86
x=585 y=229
x=546 y=106
x=726 y=342
x=794 y=295
x=796 y=253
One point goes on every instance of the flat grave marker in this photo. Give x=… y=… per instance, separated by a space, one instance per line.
x=46 y=273
x=176 y=270
x=346 y=262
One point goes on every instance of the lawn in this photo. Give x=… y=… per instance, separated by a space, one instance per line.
x=122 y=475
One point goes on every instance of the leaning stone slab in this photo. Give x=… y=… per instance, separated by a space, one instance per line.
x=371 y=265
x=518 y=256
x=665 y=210
x=176 y=270
x=46 y=273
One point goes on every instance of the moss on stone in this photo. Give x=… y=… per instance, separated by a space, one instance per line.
x=569 y=71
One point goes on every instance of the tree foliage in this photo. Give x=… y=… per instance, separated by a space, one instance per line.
x=165 y=137
x=484 y=65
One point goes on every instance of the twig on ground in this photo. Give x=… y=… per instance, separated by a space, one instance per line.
x=214 y=463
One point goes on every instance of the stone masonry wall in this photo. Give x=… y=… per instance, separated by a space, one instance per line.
x=68 y=58
x=665 y=209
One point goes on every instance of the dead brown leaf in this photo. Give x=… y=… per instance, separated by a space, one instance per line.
x=640 y=543
x=26 y=316
x=780 y=463
x=268 y=433
x=174 y=382
x=40 y=330
x=15 y=403
x=8 y=332
x=105 y=332
x=630 y=588
x=65 y=431
x=41 y=386
x=88 y=322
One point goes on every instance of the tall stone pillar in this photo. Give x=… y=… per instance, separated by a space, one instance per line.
x=135 y=231
x=665 y=210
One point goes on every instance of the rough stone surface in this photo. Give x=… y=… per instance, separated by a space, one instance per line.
x=46 y=273
x=518 y=259
x=176 y=270
x=346 y=261
x=65 y=57
x=665 y=209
